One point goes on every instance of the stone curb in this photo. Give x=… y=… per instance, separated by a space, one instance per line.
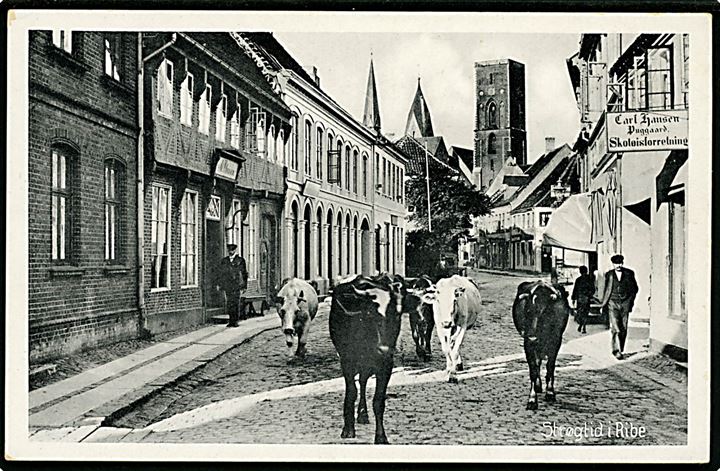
x=115 y=409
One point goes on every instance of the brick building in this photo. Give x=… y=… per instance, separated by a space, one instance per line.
x=214 y=138
x=82 y=167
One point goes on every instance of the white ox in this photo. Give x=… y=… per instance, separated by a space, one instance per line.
x=297 y=304
x=456 y=304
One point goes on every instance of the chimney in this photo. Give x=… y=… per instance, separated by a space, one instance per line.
x=549 y=144
x=316 y=77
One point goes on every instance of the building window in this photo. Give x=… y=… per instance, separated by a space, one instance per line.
x=364 y=173
x=112 y=55
x=61 y=205
x=186 y=100
x=355 y=172
x=347 y=168
x=384 y=177
x=677 y=255
x=271 y=144
x=235 y=129
x=281 y=147
x=114 y=179
x=659 y=78
x=62 y=38
x=160 y=241
x=376 y=173
x=165 y=88
x=308 y=148
x=492 y=116
x=255 y=132
x=261 y=136
x=686 y=68
x=319 y=153
x=294 y=142
x=636 y=85
x=492 y=164
x=402 y=185
x=221 y=119
x=204 y=110
x=188 y=239
x=491 y=79
x=330 y=159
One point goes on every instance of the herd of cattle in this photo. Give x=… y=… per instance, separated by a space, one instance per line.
x=365 y=319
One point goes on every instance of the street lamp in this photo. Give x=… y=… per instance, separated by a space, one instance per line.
x=427 y=183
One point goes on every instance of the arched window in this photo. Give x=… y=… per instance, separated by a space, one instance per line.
x=492 y=144
x=347 y=168
x=355 y=171
x=63 y=187
x=281 y=147
x=492 y=116
x=293 y=143
x=308 y=148
x=319 y=154
x=364 y=173
x=271 y=144
x=330 y=163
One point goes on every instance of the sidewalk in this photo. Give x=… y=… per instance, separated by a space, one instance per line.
x=74 y=408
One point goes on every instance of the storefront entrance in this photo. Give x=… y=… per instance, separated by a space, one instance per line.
x=214 y=252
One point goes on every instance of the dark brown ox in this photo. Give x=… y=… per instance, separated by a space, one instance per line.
x=540 y=314
x=365 y=319
x=422 y=321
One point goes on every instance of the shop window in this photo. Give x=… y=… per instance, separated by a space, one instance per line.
x=250 y=241
x=160 y=238
x=204 y=110
x=62 y=207
x=112 y=55
x=236 y=218
x=186 y=100
x=165 y=88
x=63 y=39
x=188 y=239
x=114 y=183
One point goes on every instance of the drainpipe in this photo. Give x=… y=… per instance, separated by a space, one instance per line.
x=142 y=317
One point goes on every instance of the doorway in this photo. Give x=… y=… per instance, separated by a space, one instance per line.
x=214 y=299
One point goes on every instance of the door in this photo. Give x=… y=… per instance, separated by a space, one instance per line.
x=214 y=299
x=268 y=254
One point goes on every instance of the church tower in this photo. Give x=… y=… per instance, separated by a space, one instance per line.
x=371 y=115
x=419 y=123
x=499 y=118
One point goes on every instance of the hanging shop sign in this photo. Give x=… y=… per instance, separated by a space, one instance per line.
x=634 y=131
x=227 y=169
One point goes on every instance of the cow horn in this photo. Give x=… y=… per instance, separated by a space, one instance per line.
x=523 y=296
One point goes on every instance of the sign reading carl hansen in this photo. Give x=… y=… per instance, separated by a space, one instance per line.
x=647 y=130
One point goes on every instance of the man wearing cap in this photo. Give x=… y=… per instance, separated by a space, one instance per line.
x=619 y=297
x=232 y=280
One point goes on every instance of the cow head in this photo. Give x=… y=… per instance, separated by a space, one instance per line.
x=445 y=305
x=293 y=312
x=384 y=310
x=531 y=303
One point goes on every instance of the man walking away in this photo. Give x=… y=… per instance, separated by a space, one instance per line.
x=619 y=296
x=233 y=280
x=582 y=294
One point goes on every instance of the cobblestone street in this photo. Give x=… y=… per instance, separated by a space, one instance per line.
x=268 y=400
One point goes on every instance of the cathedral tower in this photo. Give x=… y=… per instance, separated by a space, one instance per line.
x=499 y=118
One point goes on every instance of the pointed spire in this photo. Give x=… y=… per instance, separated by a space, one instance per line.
x=419 y=123
x=371 y=116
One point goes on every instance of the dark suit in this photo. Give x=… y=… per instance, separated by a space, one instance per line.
x=583 y=292
x=619 y=297
x=232 y=280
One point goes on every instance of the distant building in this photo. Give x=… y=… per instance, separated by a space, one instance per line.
x=499 y=118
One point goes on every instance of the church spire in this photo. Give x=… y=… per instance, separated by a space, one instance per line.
x=419 y=123
x=371 y=116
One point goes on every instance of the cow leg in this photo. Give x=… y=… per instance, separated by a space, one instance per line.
x=348 y=368
x=550 y=373
x=362 y=411
x=428 y=340
x=455 y=351
x=383 y=378
x=302 y=341
x=534 y=366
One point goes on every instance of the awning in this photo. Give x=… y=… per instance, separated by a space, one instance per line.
x=639 y=170
x=570 y=226
x=671 y=175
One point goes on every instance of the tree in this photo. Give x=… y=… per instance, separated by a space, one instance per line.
x=453 y=203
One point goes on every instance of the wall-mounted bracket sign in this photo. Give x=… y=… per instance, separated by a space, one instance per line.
x=634 y=131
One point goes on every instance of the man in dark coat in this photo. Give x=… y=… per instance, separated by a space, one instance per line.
x=583 y=292
x=619 y=297
x=233 y=280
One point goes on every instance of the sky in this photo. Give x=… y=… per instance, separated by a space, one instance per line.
x=445 y=64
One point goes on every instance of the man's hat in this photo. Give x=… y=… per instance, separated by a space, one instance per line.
x=231 y=246
x=617 y=258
